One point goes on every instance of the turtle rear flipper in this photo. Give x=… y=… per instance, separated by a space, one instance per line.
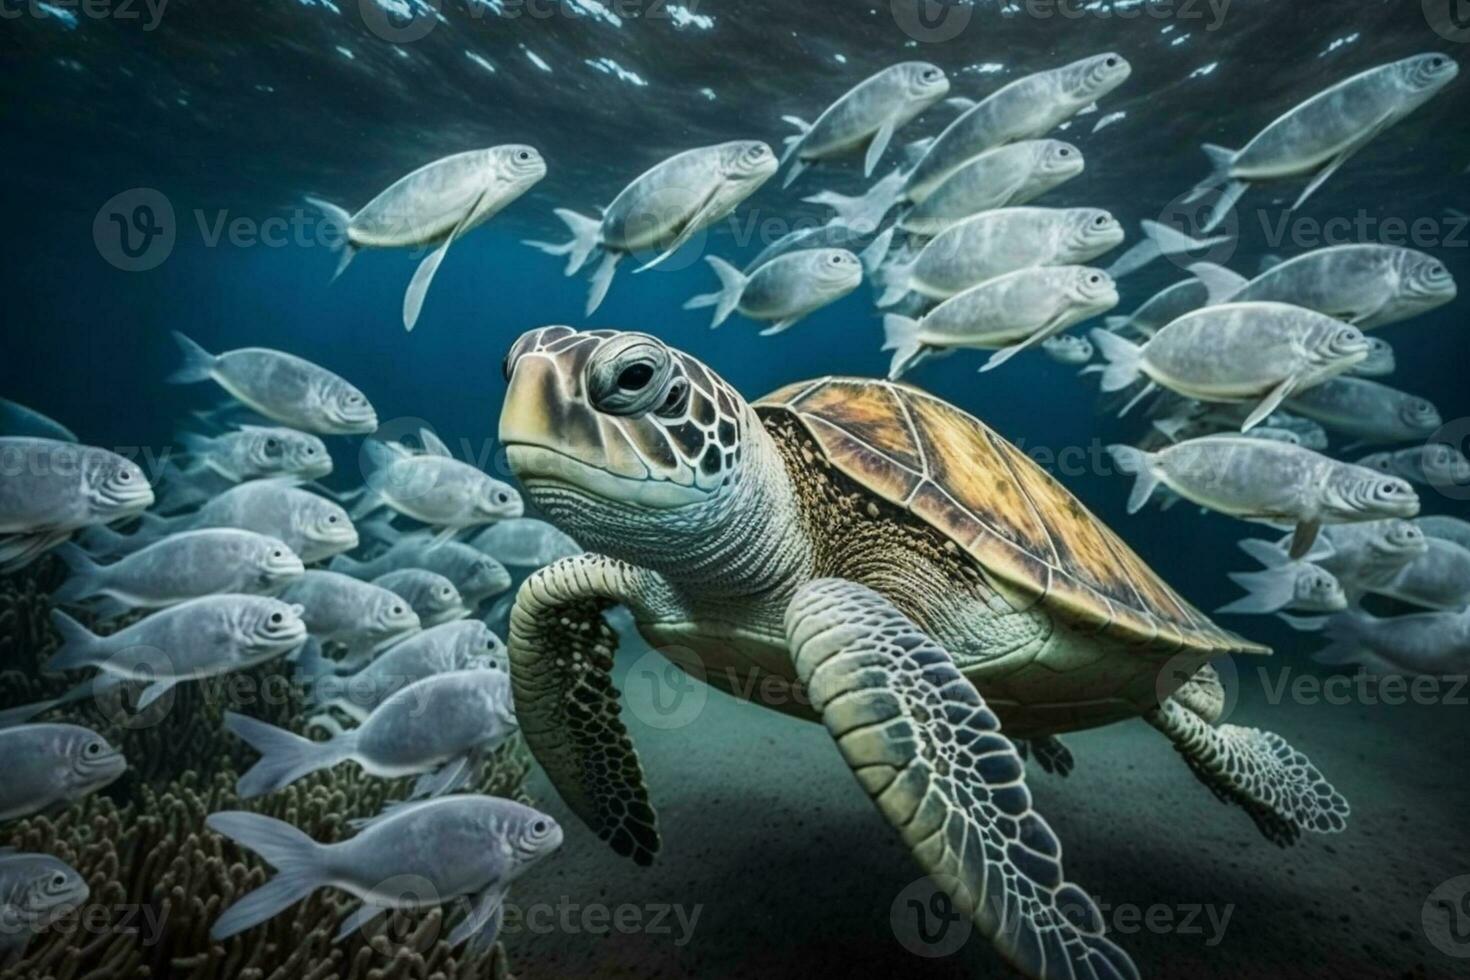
x=922 y=742
x=561 y=657
x=1274 y=783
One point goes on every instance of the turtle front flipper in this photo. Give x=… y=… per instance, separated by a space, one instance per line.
x=1273 y=782
x=561 y=658
x=922 y=742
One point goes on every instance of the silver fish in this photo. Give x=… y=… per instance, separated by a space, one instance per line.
x=663 y=208
x=35 y=889
x=434 y=852
x=47 y=765
x=1367 y=285
x=1239 y=352
x=1284 y=584
x=437 y=204
x=991 y=244
x=254 y=452
x=475 y=574
x=200 y=638
x=1005 y=314
x=432 y=596
x=435 y=488
x=1262 y=480
x=465 y=644
x=1068 y=349
x=1370 y=412
x=784 y=290
x=525 y=542
x=182 y=567
x=1431 y=644
x=437 y=729
x=313 y=527
x=866 y=117
x=281 y=387
x=1321 y=134
x=1379 y=362
x=339 y=609
x=48 y=489
x=1007 y=176
x=1437 y=579
x=1436 y=464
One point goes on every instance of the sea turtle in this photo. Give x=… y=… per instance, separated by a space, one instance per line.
x=861 y=553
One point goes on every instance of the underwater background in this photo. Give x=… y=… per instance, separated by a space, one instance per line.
x=231 y=113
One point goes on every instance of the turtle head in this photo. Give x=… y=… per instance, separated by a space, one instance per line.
x=613 y=432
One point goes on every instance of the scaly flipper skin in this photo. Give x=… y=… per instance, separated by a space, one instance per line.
x=561 y=657
x=1052 y=755
x=1274 y=783
x=929 y=752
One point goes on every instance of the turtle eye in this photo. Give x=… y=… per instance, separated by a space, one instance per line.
x=635 y=377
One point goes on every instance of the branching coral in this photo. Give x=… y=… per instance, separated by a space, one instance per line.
x=159 y=878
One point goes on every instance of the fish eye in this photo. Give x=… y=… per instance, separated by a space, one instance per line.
x=1064 y=151
x=331 y=518
x=311 y=450
x=398 y=610
x=523 y=155
x=124 y=476
x=1094 y=279
x=1111 y=61
x=835 y=260
x=58 y=880
x=278 y=554
x=501 y=497
x=1100 y=220
x=93 y=749
x=635 y=376
x=676 y=399
x=539 y=827
x=271 y=443
x=276 y=618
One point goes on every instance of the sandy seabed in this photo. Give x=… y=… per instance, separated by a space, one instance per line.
x=775 y=864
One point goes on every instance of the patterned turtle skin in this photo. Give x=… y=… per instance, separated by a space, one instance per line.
x=951 y=471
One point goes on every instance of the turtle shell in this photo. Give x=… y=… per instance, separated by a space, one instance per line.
x=951 y=471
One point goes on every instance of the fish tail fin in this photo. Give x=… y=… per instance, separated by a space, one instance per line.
x=85 y=578
x=177 y=495
x=296 y=857
x=1266 y=591
x=601 y=280
x=1136 y=463
x=79 y=646
x=1122 y=356
x=1115 y=323
x=900 y=335
x=338 y=219
x=862 y=214
x=1221 y=159
x=1172 y=241
x=1268 y=554
x=872 y=257
x=1220 y=282
x=1345 y=648
x=586 y=232
x=284 y=757
x=198 y=362
x=732 y=283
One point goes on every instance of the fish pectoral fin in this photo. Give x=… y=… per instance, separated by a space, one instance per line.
x=701 y=216
x=155 y=691
x=1270 y=403
x=877 y=146
x=779 y=326
x=1330 y=168
x=418 y=288
x=482 y=925
x=1303 y=538
x=365 y=913
x=446 y=779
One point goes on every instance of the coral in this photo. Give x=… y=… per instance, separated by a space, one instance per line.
x=159 y=878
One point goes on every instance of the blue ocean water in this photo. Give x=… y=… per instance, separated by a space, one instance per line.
x=235 y=115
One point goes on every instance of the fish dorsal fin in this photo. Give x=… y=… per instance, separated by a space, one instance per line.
x=433 y=445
